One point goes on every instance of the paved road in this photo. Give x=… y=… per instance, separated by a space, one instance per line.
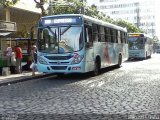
x=133 y=91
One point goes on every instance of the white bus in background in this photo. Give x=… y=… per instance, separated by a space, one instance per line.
x=140 y=45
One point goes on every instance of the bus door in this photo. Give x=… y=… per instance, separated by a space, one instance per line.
x=89 y=58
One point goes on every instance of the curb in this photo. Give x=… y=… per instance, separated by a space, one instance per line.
x=23 y=78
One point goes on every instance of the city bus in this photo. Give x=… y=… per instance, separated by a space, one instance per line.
x=75 y=43
x=140 y=45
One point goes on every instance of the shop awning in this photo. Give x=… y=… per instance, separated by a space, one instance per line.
x=8 y=26
x=7 y=29
x=5 y=34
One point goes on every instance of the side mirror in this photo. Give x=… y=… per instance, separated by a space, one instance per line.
x=87 y=45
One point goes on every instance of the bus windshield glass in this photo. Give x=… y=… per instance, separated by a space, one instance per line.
x=136 y=43
x=63 y=39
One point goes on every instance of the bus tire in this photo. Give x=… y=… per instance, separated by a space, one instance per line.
x=150 y=55
x=145 y=56
x=97 y=66
x=119 y=61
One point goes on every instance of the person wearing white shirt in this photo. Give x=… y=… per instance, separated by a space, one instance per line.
x=9 y=54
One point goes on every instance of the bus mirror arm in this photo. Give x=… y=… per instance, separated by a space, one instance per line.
x=87 y=45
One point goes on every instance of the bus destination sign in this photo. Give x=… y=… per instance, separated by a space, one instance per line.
x=56 y=21
x=136 y=35
x=64 y=20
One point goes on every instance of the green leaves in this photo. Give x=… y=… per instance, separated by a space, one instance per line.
x=76 y=6
x=68 y=7
x=7 y=3
x=131 y=28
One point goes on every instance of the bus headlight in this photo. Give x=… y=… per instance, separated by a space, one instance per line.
x=77 y=58
x=41 y=60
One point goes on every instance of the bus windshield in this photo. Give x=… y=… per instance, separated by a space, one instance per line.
x=136 y=43
x=60 y=39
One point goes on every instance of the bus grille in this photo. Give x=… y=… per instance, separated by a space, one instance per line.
x=59 y=67
x=58 y=57
x=64 y=63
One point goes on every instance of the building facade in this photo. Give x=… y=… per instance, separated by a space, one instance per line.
x=16 y=23
x=142 y=13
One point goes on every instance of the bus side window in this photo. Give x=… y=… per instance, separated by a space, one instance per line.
x=112 y=35
x=125 y=37
x=119 y=37
x=95 y=33
x=102 y=34
x=107 y=35
x=122 y=37
x=116 y=36
x=88 y=35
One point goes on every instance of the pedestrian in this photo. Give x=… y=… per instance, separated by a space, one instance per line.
x=19 y=56
x=34 y=59
x=13 y=62
x=9 y=54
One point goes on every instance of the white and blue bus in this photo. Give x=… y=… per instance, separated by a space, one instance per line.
x=74 y=43
x=140 y=46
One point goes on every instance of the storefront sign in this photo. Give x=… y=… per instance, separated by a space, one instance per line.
x=7 y=26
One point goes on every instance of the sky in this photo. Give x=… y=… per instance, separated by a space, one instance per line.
x=91 y=2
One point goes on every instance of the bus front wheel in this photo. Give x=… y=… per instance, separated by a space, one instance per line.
x=119 y=61
x=96 y=67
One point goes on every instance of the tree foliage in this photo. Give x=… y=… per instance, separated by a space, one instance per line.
x=6 y=3
x=67 y=7
x=75 y=6
x=131 y=28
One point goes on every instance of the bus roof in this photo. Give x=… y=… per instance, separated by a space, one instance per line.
x=94 y=20
x=140 y=34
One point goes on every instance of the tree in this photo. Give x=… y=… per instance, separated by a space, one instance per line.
x=7 y=3
x=40 y=5
x=75 y=6
x=66 y=7
x=130 y=27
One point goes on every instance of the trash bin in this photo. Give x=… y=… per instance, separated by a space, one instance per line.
x=13 y=69
x=0 y=70
x=5 y=71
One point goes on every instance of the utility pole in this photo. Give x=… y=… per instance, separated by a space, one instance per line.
x=152 y=29
x=50 y=8
x=82 y=8
x=137 y=12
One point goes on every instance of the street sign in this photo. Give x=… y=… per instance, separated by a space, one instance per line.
x=7 y=26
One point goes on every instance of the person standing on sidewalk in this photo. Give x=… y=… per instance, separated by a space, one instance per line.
x=9 y=54
x=34 y=59
x=19 y=56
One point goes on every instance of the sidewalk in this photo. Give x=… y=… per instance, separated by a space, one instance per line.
x=24 y=76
